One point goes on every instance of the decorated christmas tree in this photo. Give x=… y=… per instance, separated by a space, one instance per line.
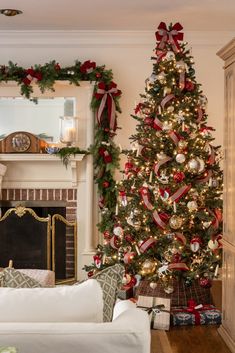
x=168 y=216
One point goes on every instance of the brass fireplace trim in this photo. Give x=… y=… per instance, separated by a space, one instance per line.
x=20 y=211
x=70 y=224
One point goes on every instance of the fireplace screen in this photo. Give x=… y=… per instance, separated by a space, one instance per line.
x=37 y=242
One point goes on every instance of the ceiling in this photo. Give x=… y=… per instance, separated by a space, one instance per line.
x=194 y=15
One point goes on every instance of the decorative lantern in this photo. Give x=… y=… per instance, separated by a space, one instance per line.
x=68 y=130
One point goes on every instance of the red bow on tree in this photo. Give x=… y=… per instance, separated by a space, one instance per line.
x=87 y=67
x=106 y=94
x=105 y=154
x=32 y=76
x=172 y=36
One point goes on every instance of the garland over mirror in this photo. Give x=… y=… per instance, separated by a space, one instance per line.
x=105 y=104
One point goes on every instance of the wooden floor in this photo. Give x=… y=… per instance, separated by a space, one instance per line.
x=189 y=339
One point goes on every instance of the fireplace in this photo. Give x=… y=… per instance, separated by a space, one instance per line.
x=30 y=241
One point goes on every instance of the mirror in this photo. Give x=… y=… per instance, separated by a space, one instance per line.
x=41 y=119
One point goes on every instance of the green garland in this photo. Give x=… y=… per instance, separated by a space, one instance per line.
x=106 y=153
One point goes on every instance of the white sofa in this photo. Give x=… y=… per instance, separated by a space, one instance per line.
x=129 y=332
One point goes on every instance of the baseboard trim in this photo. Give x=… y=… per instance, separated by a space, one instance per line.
x=227 y=339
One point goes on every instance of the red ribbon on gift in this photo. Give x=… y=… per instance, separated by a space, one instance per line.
x=163 y=35
x=194 y=309
x=106 y=94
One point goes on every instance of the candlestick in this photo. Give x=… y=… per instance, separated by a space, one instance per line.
x=116 y=211
x=216 y=270
x=151 y=176
x=174 y=206
x=120 y=148
x=183 y=126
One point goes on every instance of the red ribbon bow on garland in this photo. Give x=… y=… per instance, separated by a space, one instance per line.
x=105 y=154
x=32 y=76
x=87 y=67
x=163 y=35
x=106 y=94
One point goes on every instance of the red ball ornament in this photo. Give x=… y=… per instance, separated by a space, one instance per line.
x=128 y=167
x=107 y=235
x=148 y=121
x=129 y=238
x=106 y=184
x=90 y=274
x=176 y=258
x=189 y=85
x=178 y=177
x=98 y=75
x=205 y=282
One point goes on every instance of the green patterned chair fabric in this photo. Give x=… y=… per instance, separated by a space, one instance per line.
x=110 y=279
x=10 y=277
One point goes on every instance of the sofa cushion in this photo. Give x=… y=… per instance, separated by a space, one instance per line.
x=109 y=279
x=82 y=303
x=15 y=279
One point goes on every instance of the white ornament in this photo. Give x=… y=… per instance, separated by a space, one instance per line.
x=194 y=247
x=206 y=224
x=163 y=269
x=152 y=78
x=163 y=178
x=203 y=101
x=192 y=206
x=118 y=231
x=213 y=244
x=170 y=55
x=169 y=289
x=180 y=158
x=193 y=165
x=153 y=285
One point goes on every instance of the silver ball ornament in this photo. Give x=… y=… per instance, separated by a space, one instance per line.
x=180 y=158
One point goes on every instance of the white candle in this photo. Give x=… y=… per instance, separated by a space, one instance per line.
x=70 y=134
x=116 y=211
x=151 y=176
x=210 y=182
x=120 y=148
x=174 y=206
x=216 y=270
x=183 y=126
x=137 y=151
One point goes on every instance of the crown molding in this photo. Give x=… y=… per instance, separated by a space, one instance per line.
x=83 y=39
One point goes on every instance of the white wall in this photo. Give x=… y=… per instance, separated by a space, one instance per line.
x=128 y=55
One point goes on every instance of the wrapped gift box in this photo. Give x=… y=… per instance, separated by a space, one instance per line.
x=204 y=315
x=159 y=311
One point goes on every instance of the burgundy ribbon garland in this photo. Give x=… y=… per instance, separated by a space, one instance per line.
x=106 y=94
x=163 y=35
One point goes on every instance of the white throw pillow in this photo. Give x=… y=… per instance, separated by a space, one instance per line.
x=82 y=303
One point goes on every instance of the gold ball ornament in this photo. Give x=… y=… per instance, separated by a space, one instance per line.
x=175 y=222
x=148 y=267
